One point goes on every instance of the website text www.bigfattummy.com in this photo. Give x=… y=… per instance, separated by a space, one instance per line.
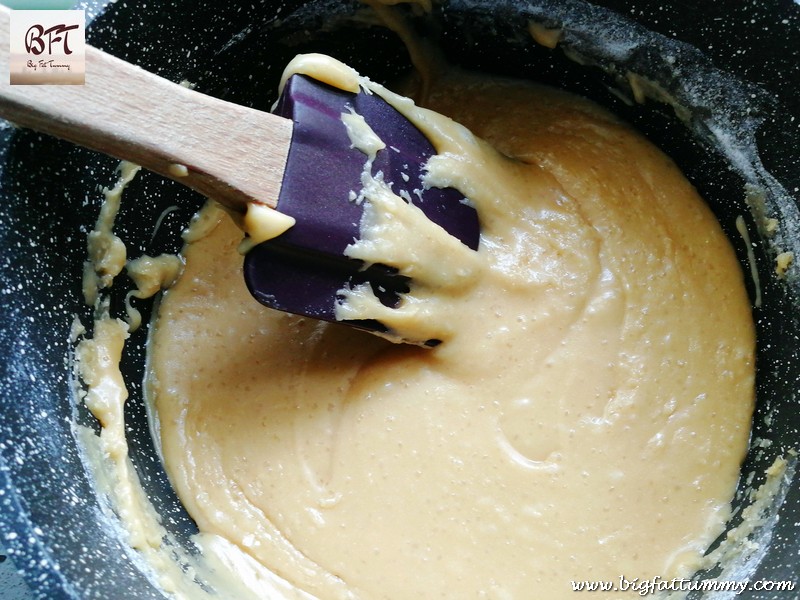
x=643 y=587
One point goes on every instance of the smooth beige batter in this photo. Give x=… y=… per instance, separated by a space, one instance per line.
x=585 y=417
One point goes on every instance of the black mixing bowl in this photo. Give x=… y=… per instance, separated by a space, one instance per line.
x=736 y=138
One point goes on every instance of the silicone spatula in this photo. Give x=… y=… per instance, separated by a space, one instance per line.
x=298 y=161
x=302 y=270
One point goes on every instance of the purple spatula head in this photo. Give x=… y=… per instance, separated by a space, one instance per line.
x=302 y=270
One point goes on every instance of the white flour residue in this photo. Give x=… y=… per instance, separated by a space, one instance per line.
x=747 y=544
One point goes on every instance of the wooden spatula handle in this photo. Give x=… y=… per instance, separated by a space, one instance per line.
x=227 y=152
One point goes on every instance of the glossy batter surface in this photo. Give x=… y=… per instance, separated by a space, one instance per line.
x=585 y=417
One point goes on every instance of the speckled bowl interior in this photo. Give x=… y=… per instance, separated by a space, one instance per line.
x=741 y=131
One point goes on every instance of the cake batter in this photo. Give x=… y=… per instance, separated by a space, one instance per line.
x=585 y=416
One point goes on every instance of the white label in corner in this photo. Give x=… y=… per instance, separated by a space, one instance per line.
x=48 y=47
